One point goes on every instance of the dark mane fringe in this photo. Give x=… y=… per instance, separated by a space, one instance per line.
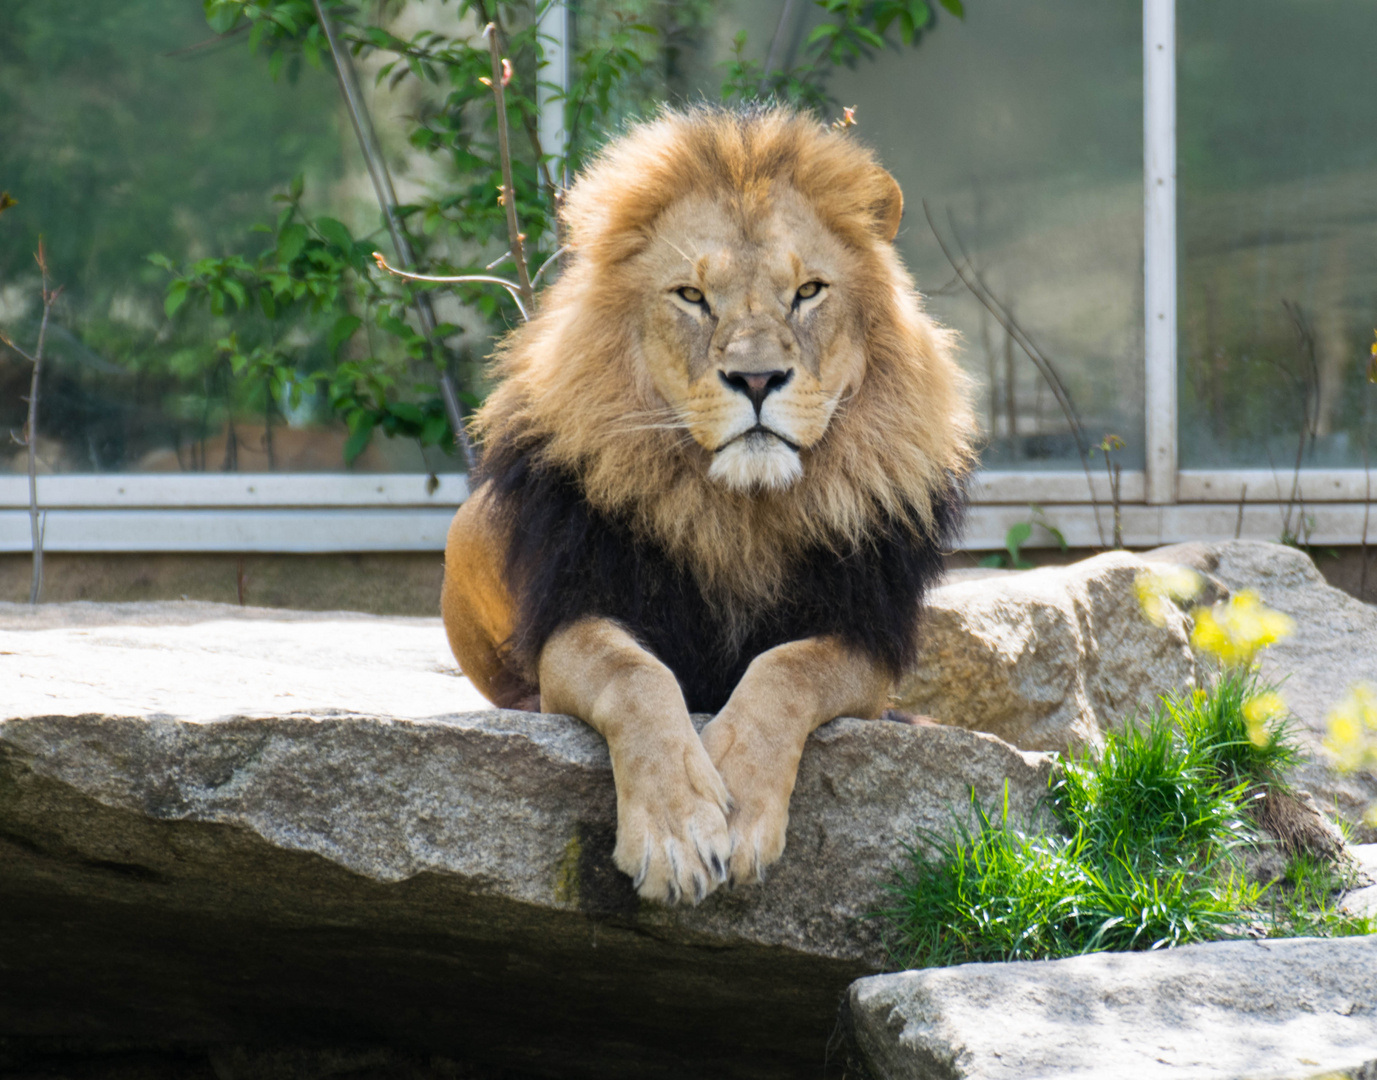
x=565 y=561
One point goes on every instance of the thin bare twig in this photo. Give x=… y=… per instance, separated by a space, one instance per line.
x=209 y=43
x=1367 y=494
x=527 y=122
x=457 y=279
x=1114 y=471
x=501 y=72
x=387 y=199
x=776 y=44
x=1310 y=418
x=973 y=281
x=553 y=260
x=37 y=519
x=1242 y=499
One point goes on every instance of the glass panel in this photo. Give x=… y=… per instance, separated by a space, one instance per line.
x=1021 y=127
x=129 y=129
x=1277 y=160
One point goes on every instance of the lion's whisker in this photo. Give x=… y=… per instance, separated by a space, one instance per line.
x=650 y=427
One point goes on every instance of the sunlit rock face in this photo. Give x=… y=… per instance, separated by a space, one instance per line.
x=266 y=829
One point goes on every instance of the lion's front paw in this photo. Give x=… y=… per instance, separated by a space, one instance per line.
x=672 y=835
x=760 y=786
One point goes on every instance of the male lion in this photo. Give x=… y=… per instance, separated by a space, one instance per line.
x=718 y=475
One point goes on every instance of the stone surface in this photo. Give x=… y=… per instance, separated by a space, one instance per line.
x=1046 y=659
x=1362 y=898
x=1295 y=1008
x=224 y=829
x=384 y=582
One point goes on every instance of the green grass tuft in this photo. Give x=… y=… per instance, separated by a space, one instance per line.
x=988 y=893
x=1141 y=851
x=1304 y=903
x=1151 y=798
x=994 y=893
x=1217 y=731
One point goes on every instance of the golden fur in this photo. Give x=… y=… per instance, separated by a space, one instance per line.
x=576 y=374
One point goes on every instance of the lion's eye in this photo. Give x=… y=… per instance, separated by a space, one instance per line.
x=807 y=291
x=689 y=293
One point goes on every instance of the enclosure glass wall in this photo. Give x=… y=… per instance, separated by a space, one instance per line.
x=1015 y=132
x=131 y=129
x=1277 y=159
x=1018 y=131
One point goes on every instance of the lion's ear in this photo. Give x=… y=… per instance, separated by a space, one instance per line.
x=888 y=206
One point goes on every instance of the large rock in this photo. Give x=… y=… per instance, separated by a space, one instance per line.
x=1050 y=659
x=222 y=828
x=1299 y=1008
x=1047 y=659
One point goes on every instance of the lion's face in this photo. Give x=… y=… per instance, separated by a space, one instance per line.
x=749 y=331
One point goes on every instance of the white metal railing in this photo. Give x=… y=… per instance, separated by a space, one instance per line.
x=409 y=512
x=1159 y=246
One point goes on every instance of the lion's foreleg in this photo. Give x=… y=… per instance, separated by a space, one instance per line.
x=672 y=836
x=757 y=739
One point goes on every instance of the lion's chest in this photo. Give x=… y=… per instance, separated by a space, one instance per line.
x=567 y=562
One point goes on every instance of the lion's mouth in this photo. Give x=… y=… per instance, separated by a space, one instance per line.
x=758 y=434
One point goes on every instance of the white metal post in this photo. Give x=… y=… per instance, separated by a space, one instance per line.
x=1159 y=246
x=553 y=28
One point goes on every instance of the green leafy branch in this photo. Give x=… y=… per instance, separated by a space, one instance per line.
x=851 y=31
x=307 y=285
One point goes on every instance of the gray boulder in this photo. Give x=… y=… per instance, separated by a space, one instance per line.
x=1298 y=1008
x=1047 y=659
x=223 y=828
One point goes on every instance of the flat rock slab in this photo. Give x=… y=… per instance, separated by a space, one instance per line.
x=1298 y=1008
x=223 y=828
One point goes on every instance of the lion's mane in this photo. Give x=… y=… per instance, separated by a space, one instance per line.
x=608 y=514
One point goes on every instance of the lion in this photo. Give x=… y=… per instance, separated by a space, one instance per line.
x=719 y=471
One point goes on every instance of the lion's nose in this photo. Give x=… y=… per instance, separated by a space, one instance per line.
x=756 y=385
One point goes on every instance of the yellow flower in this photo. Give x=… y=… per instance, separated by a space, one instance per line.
x=1352 y=737
x=1260 y=711
x=1235 y=630
x=1157 y=587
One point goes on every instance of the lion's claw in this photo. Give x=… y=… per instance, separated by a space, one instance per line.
x=672 y=835
x=760 y=791
x=664 y=874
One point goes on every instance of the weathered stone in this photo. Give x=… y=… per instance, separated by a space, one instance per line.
x=1362 y=898
x=1278 y=1009
x=271 y=831
x=1047 y=659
